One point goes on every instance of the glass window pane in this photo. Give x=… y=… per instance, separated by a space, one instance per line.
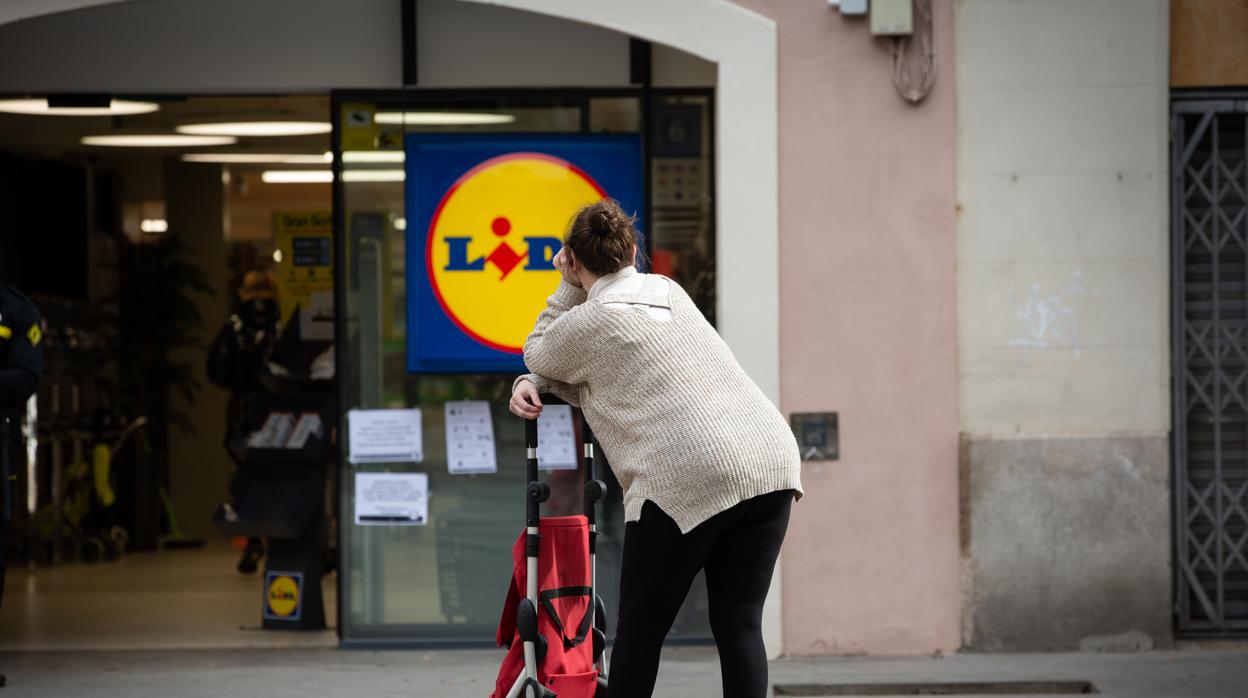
x=446 y=581
x=614 y=115
x=681 y=227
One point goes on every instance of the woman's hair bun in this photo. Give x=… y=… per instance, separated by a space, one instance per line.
x=600 y=221
x=602 y=236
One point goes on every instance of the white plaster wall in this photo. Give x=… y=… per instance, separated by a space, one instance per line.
x=1063 y=228
x=237 y=46
x=313 y=45
x=190 y=46
x=13 y=10
x=672 y=67
x=465 y=44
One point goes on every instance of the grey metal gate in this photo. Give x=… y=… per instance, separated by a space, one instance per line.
x=1209 y=237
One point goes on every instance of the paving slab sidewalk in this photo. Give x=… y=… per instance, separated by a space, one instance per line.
x=686 y=671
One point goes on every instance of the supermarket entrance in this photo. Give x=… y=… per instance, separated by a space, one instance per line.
x=144 y=228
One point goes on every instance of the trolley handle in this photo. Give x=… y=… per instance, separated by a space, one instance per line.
x=530 y=425
x=537 y=491
x=530 y=433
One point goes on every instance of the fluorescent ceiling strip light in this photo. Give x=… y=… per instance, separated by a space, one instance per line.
x=257 y=128
x=304 y=176
x=308 y=159
x=40 y=107
x=441 y=118
x=297 y=176
x=356 y=156
x=256 y=158
x=156 y=140
x=373 y=175
x=154 y=225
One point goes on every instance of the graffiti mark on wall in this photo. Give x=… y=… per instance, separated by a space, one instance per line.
x=1050 y=319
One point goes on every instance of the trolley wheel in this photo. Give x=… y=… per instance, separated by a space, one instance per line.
x=533 y=689
x=601 y=691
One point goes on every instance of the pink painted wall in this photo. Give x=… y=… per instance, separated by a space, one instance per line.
x=867 y=328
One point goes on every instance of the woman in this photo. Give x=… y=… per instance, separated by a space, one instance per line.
x=708 y=465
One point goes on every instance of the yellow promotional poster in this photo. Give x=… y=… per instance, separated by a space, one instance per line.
x=305 y=271
x=282 y=596
x=359 y=127
x=502 y=218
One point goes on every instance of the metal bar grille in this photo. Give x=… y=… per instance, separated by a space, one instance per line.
x=1209 y=237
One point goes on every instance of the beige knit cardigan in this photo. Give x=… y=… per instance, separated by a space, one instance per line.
x=680 y=422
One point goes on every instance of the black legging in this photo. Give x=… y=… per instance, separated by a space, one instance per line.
x=738 y=548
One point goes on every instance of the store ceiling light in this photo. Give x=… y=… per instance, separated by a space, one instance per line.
x=296 y=176
x=256 y=158
x=154 y=225
x=257 y=128
x=40 y=107
x=156 y=140
x=363 y=156
x=442 y=118
x=373 y=176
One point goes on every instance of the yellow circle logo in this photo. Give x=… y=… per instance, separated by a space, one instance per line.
x=283 y=596
x=492 y=240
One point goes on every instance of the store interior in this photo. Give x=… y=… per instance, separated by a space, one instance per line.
x=134 y=239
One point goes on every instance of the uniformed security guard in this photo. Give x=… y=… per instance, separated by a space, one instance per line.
x=21 y=363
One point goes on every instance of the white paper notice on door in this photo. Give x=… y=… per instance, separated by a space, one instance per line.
x=556 y=440
x=384 y=436
x=470 y=438
x=391 y=499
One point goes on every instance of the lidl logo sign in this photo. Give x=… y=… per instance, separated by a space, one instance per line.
x=492 y=240
x=281 y=595
x=486 y=216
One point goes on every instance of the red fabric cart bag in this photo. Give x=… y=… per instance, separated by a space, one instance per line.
x=562 y=613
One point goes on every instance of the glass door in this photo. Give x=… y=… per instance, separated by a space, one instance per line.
x=444 y=582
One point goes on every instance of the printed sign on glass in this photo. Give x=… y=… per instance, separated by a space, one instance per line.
x=486 y=215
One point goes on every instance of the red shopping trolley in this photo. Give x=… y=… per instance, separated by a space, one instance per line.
x=553 y=624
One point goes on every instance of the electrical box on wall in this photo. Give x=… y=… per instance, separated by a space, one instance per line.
x=816 y=434
x=850 y=7
x=892 y=17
